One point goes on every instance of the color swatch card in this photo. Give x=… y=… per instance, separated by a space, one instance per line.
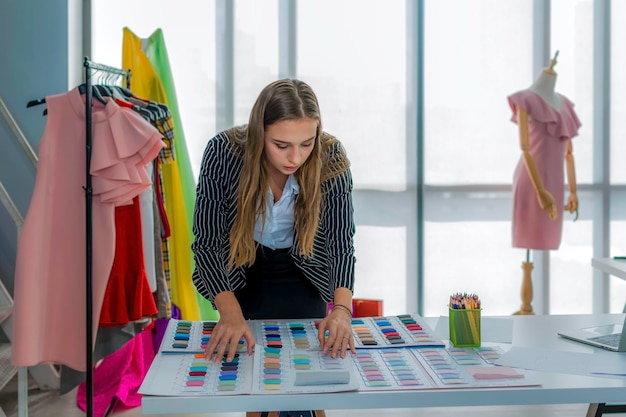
x=489 y=354
x=466 y=367
x=185 y=375
x=292 y=334
x=394 y=331
x=183 y=336
x=369 y=333
x=390 y=369
x=285 y=371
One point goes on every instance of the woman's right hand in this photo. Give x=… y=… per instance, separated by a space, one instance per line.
x=547 y=203
x=227 y=333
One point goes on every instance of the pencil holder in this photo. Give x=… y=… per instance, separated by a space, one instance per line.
x=464 y=327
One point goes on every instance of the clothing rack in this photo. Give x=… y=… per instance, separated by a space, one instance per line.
x=110 y=75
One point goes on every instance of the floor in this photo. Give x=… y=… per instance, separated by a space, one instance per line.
x=51 y=404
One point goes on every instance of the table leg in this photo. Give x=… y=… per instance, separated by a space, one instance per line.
x=597 y=409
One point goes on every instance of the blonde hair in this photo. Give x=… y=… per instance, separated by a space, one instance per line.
x=281 y=100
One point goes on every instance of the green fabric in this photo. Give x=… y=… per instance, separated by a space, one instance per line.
x=157 y=53
x=155 y=49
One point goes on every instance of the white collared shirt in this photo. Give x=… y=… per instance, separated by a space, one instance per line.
x=278 y=232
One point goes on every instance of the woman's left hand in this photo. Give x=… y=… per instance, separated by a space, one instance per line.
x=339 y=327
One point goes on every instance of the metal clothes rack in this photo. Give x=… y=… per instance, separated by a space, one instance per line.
x=106 y=75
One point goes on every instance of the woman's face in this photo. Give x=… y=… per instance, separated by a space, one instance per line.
x=288 y=144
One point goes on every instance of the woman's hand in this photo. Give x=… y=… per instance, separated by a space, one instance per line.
x=338 y=323
x=226 y=335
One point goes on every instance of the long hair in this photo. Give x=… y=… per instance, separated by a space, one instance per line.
x=281 y=100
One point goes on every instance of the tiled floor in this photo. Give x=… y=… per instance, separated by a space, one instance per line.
x=51 y=404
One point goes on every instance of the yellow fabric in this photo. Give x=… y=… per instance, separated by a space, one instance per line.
x=146 y=84
x=156 y=51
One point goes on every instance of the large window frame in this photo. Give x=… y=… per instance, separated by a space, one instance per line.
x=416 y=196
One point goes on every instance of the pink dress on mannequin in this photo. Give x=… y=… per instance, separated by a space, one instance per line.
x=549 y=129
x=50 y=291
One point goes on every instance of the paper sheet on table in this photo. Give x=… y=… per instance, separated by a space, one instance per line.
x=492 y=329
x=548 y=360
x=609 y=363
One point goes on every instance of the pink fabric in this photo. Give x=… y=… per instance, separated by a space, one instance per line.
x=50 y=290
x=549 y=130
x=119 y=376
x=118 y=162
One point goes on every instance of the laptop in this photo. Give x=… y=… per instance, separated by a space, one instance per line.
x=610 y=337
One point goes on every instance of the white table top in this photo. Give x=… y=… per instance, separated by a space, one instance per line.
x=530 y=331
x=616 y=267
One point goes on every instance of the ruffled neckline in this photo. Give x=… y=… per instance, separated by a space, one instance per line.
x=561 y=123
x=121 y=149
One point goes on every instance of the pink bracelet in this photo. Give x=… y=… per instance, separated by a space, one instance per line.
x=343 y=308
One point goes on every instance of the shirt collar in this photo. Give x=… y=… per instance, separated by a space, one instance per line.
x=291 y=186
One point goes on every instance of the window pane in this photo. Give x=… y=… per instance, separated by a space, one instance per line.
x=475 y=254
x=474 y=257
x=572 y=36
x=476 y=54
x=380 y=272
x=359 y=77
x=618 y=248
x=618 y=84
x=256 y=52
x=571 y=275
x=189 y=33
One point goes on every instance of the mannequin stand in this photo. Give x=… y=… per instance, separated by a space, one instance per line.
x=527 y=289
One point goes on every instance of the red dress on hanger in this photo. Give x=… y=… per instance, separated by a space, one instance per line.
x=128 y=296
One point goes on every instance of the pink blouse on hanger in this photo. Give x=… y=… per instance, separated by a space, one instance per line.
x=50 y=274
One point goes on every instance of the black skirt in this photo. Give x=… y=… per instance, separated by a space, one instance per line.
x=276 y=289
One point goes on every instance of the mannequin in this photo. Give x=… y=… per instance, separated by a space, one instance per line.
x=547 y=122
x=545 y=83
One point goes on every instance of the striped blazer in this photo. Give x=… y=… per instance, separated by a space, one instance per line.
x=332 y=263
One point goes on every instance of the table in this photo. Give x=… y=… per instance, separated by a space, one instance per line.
x=615 y=267
x=534 y=331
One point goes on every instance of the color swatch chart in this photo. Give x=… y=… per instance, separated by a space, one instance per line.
x=284 y=371
x=192 y=374
x=466 y=367
x=301 y=335
x=183 y=336
x=369 y=333
x=287 y=359
x=489 y=354
x=393 y=331
x=390 y=369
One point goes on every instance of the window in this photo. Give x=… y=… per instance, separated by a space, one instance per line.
x=475 y=54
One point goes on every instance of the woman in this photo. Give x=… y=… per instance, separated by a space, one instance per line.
x=274 y=223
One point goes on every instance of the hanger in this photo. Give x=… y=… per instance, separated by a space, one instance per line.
x=36 y=102
x=130 y=97
x=104 y=90
x=125 y=91
x=82 y=89
x=95 y=92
